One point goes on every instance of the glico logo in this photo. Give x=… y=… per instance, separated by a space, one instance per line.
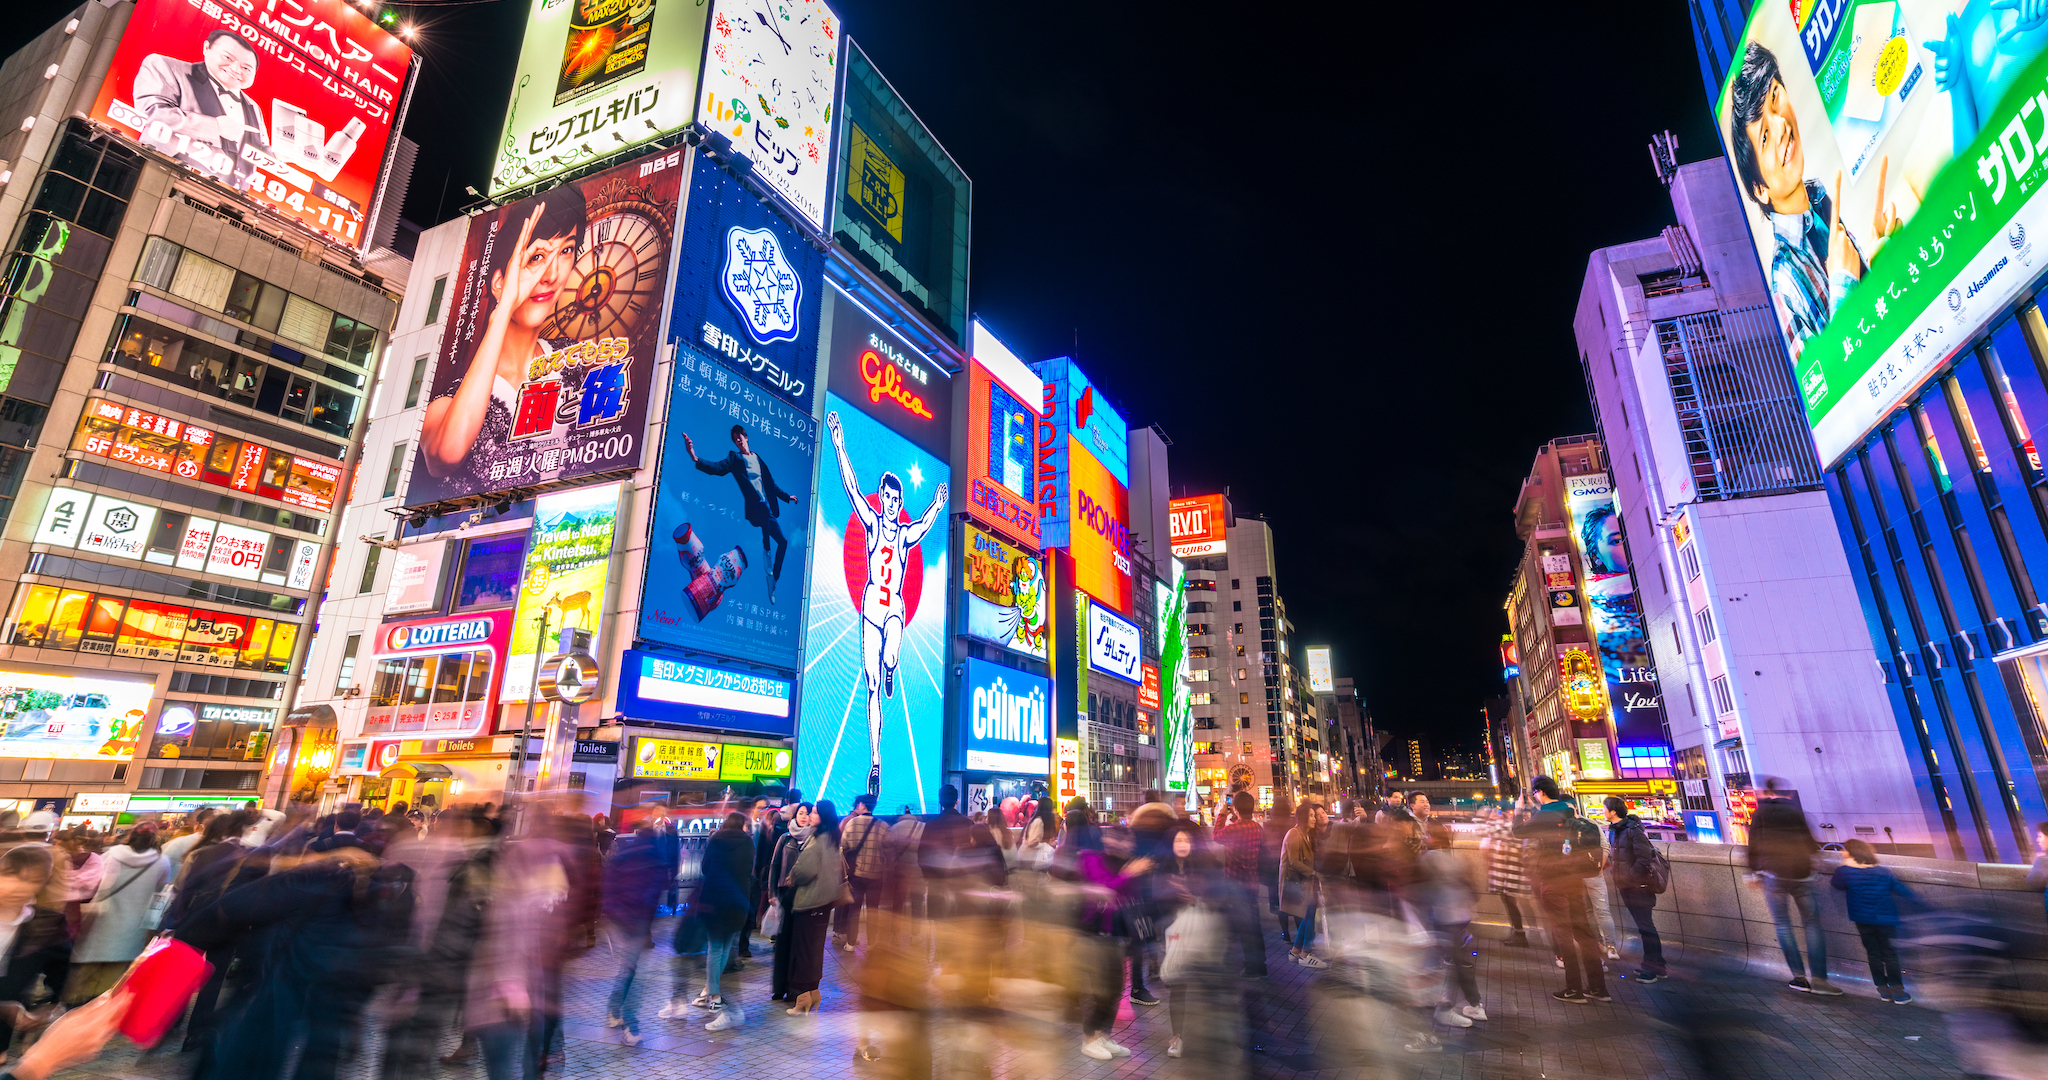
x=463 y=632
x=1103 y=520
x=885 y=379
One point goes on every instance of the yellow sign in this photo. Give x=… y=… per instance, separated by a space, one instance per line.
x=878 y=183
x=670 y=759
x=1585 y=687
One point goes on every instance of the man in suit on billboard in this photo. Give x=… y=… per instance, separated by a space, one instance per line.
x=757 y=489
x=206 y=101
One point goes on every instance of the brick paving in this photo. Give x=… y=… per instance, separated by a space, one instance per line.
x=1305 y=1026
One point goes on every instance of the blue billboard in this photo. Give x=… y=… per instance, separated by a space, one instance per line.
x=748 y=286
x=875 y=634
x=671 y=690
x=1005 y=719
x=731 y=516
x=1072 y=406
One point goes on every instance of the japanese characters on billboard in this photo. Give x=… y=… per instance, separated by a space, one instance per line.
x=1005 y=719
x=771 y=80
x=903 y=201
x=568 y=570
x=291 y=102
x=438 y=676
x=71 y=717
x=552 y=334
x=1177 y=726
x=1197 y=526
x=1001 y=486
x=594 y=78
x=1099 y=537
x=1319 y=678
x=731 y=516
x=1071 y=412
x=1114 y=644
x=748 y=286
x=1008 y=604
x=875 y=638
x=1890 y=161
x=671 y=690
x=1634 y=697
x=871 y=367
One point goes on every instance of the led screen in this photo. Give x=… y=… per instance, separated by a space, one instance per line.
x=1007 y=602
x=1197 y=526
x=1177 y=728
x=290 y=103
x=1000 y=477
x=1099 y=538
x=875 y=639
x=1890 y=156
x=72 y=717
x=1319 y=679
x=568 y=565
x=1005 y=724
x=1632 y=689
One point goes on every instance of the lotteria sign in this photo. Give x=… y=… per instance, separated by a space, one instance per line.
x=409 y=637
x=1005 y=723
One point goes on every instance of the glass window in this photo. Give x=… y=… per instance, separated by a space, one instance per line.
x=277 y=470
x=305 y=322
x=347 y=676
x=152 y=631
x=298 y=397
x=449 y=685
x=102 y=624
x=434 y=304
x=419 y=375
x=159 y=261
x=394 y=470
x=269 y=307
x=419 y=679
x=334 y=410
x=257 y=644
x=341 y=337
x=213 y=638
x=283 y=643
x=479 y=675
x=33 y=606
x=491 y=572
x=311 y=483
x=67 y=619
x=242 y=296
x=385 y=684
x=369 y=582
x=202 y=281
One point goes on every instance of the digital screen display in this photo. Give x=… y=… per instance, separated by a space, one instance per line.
x=1005 y=724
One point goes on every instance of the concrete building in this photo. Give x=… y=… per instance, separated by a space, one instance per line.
x=184 y=373
x=1546 y=614
x=1747 y=603
x=1354 y=753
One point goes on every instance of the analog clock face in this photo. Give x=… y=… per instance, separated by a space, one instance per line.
x=621 y=272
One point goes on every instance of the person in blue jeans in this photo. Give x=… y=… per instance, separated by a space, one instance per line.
x=1300 y=883
x=1781 y=851
x=634 y=878
x=1873 y=893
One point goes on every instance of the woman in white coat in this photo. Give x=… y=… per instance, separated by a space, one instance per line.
x=114 y=932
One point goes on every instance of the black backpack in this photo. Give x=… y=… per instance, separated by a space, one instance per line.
x=1586 y=856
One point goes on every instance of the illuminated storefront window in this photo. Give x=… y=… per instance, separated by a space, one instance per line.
x=164 y=445
x=49 y=617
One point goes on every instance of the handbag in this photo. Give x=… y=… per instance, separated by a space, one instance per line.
x=771 y=919
x=153 y=918
x=1194 y=940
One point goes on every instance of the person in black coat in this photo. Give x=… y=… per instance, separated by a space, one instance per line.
x=1632 y=868
x=634 y=878
x=723 y=905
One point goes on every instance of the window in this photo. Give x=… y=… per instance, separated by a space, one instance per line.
x=1240 y=671
x=397 y=467
x=1244 y=722
x=491 y=569
x=347 y=677
x=1705 y=621
x=51 y=618
x=1200 y=675
x=1724 y=698
x=1206 y=748
x=1239 y=628
x=1237 y=605
x=1202 y=699
x=1233 y=583
x=434 y=307
x=1244 y=698
x=1690 y=560
x=1198 y=652
x=369 y=582
x=419 y=371
x=1240 y=651
x=1677 y=639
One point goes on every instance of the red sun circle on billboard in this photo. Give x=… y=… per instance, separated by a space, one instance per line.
x=853 y=554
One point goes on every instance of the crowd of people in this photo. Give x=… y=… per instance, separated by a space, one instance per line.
x=449 y=933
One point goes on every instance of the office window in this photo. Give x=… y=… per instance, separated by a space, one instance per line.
x=1201 y=699
x=369 y=582
x=347 y=677
x=1724 y=699
x=434 y=300
x=1690 y=560
x=1240 y=652
x=391 y=474
x=1233 y=583
x=1705 y=621
x=1677 y=639
x=1244 y=698
x=1237 y=605
x=419 y=379
x=1244 y=722
x=1239 y=628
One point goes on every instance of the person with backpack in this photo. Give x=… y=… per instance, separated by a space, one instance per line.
x=1565 y=850
x=1637 y=872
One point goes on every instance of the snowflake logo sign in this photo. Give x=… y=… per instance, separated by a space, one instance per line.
x=761 y=284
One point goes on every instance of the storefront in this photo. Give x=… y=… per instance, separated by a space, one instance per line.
x=678 y=770
x=432 y=774
x=437 y=678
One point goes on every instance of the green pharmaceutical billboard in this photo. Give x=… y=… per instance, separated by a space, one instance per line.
x=903 y=203
x=596 y=77
x=1890 y=156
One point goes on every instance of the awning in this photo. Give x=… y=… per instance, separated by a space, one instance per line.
x=313 y=715
x=416 y=770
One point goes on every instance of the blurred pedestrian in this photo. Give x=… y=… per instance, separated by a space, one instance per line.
x=1504 y=874
x=1097 y=954
x=37 y=946
x=1781 y=861
x=1187 y=874
x=1147 y=910
x=938 y=853
x=795 y=835
x=117 y=923
x=1447 y=909
x=1300 y=881
x=634 y=879
x=867 y=852
x=905 y=876
x=452 y=874
x=1565 y=849
x=1240 y=843
x=1872 y=894
x=720 y=911
x=761 y=825
x=78 y=874
x=1632 y=875
x=1041 y=836
x=602 y=834
x=1279 y=821
x=189 y=836
x=819 y=877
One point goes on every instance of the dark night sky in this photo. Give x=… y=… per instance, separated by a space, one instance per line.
x=1332 y=251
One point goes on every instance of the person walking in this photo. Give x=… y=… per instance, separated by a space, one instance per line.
x=787 y=848
x=1240 y=842
x=818 y=877
x=1560 y=843
x=1279 y=821
x=116 y=923
x=866 y=838
x=1632 y=875
x=1446 y=906
x=720 y=912
x=634 y=879
x=1781 y=851
x=1504 y=874
x=906 y=879
x=1097 y=953
x=1872 y=894
x=1300 y=883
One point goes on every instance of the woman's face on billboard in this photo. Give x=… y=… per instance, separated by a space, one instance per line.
x=1613 y=551
x=536 y=279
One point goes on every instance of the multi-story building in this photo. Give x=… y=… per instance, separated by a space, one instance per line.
x=1559 y=680
x=192 y=324
x=1751 y=625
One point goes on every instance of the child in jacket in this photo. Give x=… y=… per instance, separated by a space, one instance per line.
x=1872 y=894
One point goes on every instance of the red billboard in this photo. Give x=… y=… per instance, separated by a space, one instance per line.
x=1197 y=526
x=291 y=102
x=999 y=482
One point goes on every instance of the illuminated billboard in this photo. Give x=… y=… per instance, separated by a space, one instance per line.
x=1071 y=412
x=1197 y=526
x=1890 y=164
x=673 y=759
x=568 y=570
x=1000 y=422
x=875 y=637
x=771 y=84
x=1005 y=719
x=903 y=201
x=71 y=717
x=1008 y=604
x=872 y=368
x=545 y=367
x=1319 y=679
x=748 y=286
x=1099 y=539
x=438 y=676
x=732 y=509
x=596 y=77
x=1176 y=727
x=671 y=690
x=1633 y=692
x=1114 y=645
x=291 y=104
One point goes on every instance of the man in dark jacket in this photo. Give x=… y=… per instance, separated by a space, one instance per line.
x=1563 y=893
x=1632 y=868
x=634 y=878
x=939 y=852
x=1781 y=850
x=759 y=495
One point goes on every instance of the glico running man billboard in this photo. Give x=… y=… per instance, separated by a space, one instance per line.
x=1632 y=689
x=732 y=511
x=1890 y=156
x=551 y=340
x=873 y=705
x=292 y=102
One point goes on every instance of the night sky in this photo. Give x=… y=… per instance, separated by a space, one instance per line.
x=1332 y=251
